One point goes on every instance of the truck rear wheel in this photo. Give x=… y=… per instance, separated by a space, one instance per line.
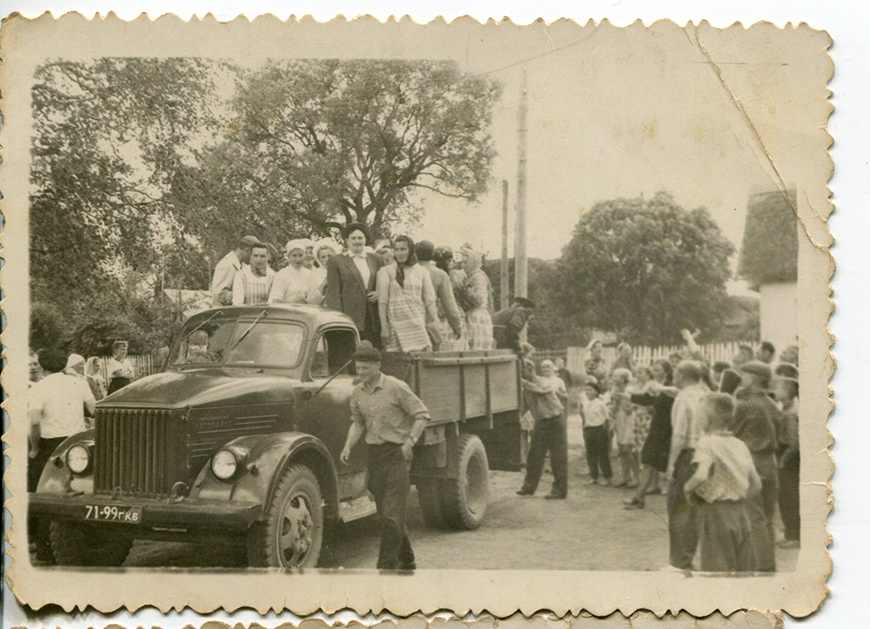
x=80 y=544
x=292 y=535
x=464 y=498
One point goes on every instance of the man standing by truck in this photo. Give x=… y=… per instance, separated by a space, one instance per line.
x=392 y=418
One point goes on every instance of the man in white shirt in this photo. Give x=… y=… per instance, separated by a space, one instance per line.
x=56 y=410
x=225 y=271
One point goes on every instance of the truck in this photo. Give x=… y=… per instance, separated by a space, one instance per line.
x=237 y=439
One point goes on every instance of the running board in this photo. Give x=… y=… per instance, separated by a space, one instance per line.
x=356 y=509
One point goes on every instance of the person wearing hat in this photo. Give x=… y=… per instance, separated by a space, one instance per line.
x=121 y=371
x=351 y=283
x=786 y=370
x=225 y=271
x=291 y=283
x=787 y=391
x=755 y=419
x=392 y=418
x=253 y=284
x=56 y=408
x=508 y=324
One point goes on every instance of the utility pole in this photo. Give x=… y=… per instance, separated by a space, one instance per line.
x=505 y=286
x=521 y=279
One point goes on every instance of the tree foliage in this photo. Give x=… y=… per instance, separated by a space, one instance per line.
x=146 y=171
x=645 y=269
x=770 y=240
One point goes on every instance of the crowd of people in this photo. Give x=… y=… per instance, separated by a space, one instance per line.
x=725 y=436
x=402 y=295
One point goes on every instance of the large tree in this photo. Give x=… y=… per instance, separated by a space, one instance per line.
x=645 y=269
x=314 y=144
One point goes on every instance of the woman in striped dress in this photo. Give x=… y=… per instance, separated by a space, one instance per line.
x=478 y=294
x=406 y=301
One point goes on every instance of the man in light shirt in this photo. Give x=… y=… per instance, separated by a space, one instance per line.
x=225 y=271
x=56 y=409
x=687 y=425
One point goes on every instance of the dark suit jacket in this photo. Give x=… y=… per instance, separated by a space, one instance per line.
x=345 y=290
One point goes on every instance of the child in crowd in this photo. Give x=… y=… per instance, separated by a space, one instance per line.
x=622 y=412
x=723 y=480
x=596 y=433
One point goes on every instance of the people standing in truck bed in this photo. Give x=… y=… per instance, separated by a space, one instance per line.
x=508 y=324
x=392 y=418
x=406 y=301
x=351 y=282
x=478 y=293
x=449 y=323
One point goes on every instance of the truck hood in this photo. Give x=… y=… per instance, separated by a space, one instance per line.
x=204 y=387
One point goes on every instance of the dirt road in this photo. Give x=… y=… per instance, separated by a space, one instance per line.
x=589 y=531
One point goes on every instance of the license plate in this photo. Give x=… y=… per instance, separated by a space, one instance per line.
x=113 y=513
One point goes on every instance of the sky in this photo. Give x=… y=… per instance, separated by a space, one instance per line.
x=595 y=133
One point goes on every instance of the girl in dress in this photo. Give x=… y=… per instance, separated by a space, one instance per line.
x=622 y=413
x=406 y=301
x=478 y=293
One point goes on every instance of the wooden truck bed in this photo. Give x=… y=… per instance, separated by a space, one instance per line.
x=456 y=386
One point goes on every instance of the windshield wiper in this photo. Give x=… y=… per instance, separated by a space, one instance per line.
x=245 y=333
x=188 y=335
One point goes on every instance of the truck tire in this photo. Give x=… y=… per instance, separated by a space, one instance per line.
x=80 y=544
x=292 y=534
x=429 y=495
x=464 y=498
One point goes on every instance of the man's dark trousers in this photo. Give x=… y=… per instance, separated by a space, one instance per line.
x=789 y=497
x=683 y=525
x=390 y=482
x=548 y=435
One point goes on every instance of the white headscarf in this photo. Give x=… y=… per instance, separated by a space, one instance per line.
x=328 y=243
x=73 y=361
x=297 y=243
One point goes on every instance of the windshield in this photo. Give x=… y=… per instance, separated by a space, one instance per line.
x=267 y=343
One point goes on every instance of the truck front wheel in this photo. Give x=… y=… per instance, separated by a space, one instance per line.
x=80 y=544
x=292 y=535
x=464 y=498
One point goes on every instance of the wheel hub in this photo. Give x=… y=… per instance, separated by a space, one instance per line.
x=297 y=531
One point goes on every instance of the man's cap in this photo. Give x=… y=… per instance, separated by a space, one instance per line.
x=524 y=302
x=366 y=352
x=787 y=370
x=592 y=382
x=119 y=343
x=758 y=368
x=249 y=241
x=352 y=227
x=52 y=360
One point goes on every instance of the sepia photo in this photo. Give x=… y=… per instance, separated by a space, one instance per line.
x=401 y=317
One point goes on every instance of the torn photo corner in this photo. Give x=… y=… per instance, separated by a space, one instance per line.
x=402 y=317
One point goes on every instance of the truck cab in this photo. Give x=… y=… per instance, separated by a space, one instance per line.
x=239 y=436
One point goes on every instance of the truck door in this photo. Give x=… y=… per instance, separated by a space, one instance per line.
x=326 y=409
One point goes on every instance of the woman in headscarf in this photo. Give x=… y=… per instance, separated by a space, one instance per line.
x=406 y=301
x=324 y=249
x=458 y=281
x=478 y=295
x=290 y=285
x=595 y=364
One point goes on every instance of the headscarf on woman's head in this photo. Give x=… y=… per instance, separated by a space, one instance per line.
x=296 y=243
x=592 y=344
x=326 y=243
x=473 y=260
x=411 y=261
x=73 y=361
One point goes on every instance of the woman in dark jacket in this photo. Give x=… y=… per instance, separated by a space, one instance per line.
x=659 y=395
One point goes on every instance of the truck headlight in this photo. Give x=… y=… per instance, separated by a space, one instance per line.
x=78 y=459
x=224 y=464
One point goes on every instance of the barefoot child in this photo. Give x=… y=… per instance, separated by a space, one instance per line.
x=723 y=480
x=622 y=413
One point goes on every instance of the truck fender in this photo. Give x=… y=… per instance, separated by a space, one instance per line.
x=264 y=459
x=56 y=478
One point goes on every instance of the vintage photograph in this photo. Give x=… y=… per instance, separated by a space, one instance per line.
x=493 y=300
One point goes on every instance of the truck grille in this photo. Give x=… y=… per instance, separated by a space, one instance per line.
x=137 y=451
